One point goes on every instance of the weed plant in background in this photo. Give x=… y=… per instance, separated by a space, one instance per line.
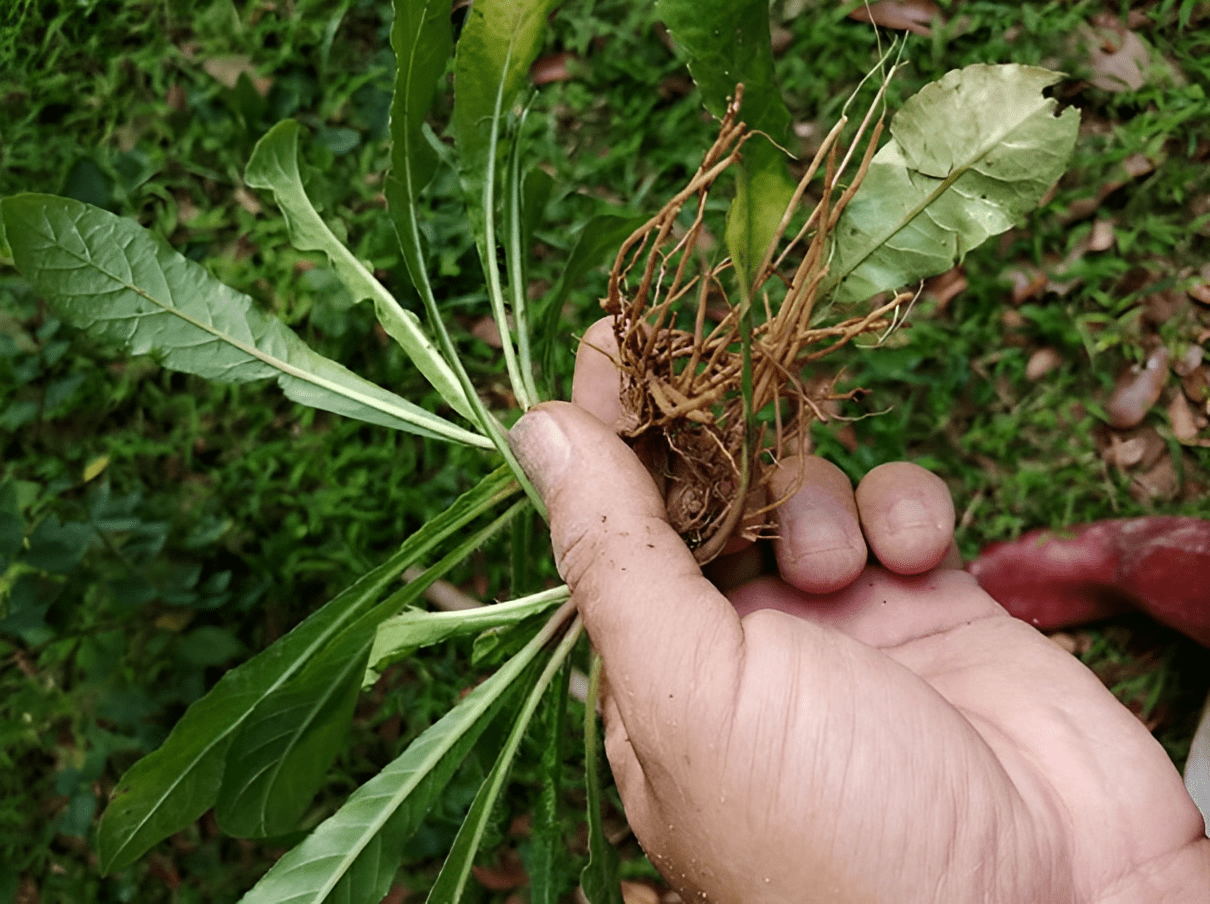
x=258 y=748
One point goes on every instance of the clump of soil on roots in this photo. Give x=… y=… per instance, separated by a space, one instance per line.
x=685 y=412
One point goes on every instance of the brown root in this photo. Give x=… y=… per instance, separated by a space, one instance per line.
x=682 y=384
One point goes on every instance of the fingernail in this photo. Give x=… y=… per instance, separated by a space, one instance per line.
x=541 y=447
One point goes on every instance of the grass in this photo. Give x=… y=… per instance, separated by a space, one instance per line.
x=181 y=526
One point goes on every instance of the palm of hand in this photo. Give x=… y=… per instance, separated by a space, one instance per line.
x=953 y=741
x=846 y=732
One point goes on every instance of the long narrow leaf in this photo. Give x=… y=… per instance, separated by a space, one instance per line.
x=499 y=42
x=280 y=756
x=457 y=867
x=400 y=636
x=969 y=156
x=546 y=860
x=728 y=42
x=174 y=785
x=599 y=878
x=274 y=167
x=352 y=856
x=403 y=186
x=422 y=38
x=115 y=279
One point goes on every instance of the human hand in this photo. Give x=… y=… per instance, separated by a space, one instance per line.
x=846 y=731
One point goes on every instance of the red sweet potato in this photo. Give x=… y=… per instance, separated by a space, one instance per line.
x=1054 y=579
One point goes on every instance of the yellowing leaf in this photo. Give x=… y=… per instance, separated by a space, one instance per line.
x=95 y=467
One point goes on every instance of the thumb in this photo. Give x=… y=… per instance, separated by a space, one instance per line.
x=665 y=633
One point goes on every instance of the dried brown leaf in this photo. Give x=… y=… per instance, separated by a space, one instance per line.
x=899 y=15
x=1042 y=362
x=1137 y=389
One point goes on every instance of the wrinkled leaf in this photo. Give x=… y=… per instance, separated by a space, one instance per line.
x=451 y=881
x=274 y=167
x=108 y=275
x=353 y=855
x=728 y=43
x=400 y=636
x=172 y=786
x=969 y=156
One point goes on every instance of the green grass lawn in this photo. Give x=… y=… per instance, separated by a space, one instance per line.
x=180 y=526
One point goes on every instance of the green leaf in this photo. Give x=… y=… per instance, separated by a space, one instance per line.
x=402 y=189
x=546 y=858
x=599 y=879
x=499 y=42
x=451 y=881
x=969 y=156
x=422 y=38
x=108 y=275
x=274 y=166
x=400 y=636
x=728 y=43
x=281 y=754
x=353 y=855
x=174 y=785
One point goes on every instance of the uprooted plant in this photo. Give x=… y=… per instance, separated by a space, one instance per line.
x=711 y=353
x=690 y=396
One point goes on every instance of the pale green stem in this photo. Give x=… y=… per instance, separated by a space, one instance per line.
x=487 y=255
x=515 y=261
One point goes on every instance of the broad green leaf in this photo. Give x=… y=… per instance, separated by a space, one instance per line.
x=500 y=40
x=274 y=167
x=281 y=753
x=728 y=43
x=599 y=878
x=451 y=881
x=422 y=38
x=280 y=756
x=352 y=856
x=400 y=636
x=115 y=279
x=969 y=156
x=171 y=787
x=546 y=857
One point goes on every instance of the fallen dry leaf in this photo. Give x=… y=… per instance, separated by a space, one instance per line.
x=1042 y=362
x=1102 y=237
x=1196 y=384
x=1190 y=361
x=1027 y=282
x=1157 y=484
x=1116 y=56
x=1184 y=428
x=226 y=70
x=507 y=874
x=945 y=287
x=551 y=68
x=486 y=329
x=900 y=15
x=1137 y=389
